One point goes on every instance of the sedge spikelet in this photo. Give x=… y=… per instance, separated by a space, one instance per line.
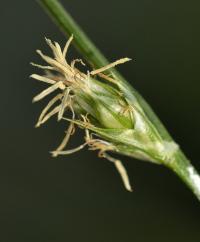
x=112 y=119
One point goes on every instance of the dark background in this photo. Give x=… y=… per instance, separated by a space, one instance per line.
x=81 y=197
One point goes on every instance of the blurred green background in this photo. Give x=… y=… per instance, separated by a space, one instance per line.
x=81 y=197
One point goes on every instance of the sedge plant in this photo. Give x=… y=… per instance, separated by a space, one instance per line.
x=114 y=116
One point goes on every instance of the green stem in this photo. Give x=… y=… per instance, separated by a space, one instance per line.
x=183 y=168
x=181 y=165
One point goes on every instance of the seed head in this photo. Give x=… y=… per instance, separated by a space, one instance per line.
x=113 y=122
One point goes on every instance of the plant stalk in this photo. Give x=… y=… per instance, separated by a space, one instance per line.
x=180 y=165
